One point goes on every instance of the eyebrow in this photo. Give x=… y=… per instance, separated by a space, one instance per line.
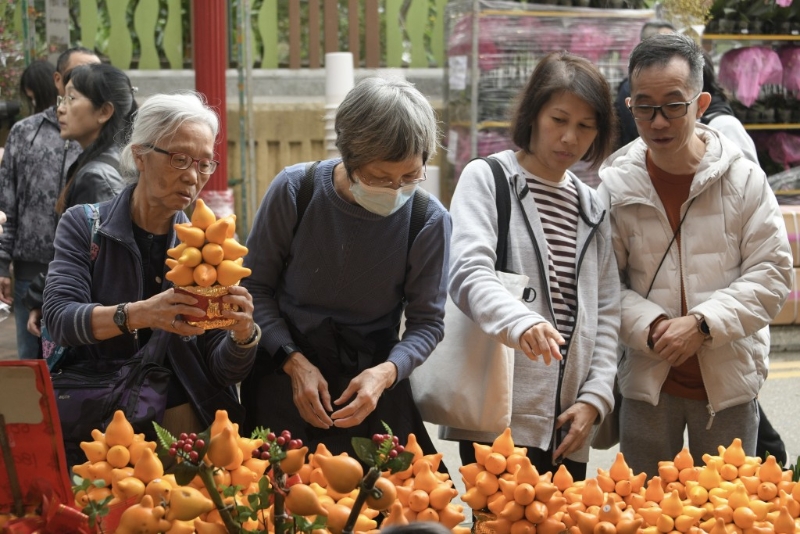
x=587 y=118
x=676 y=94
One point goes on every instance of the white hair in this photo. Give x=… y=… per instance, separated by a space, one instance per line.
x=161 y=116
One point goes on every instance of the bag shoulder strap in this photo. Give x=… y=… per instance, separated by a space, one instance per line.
x=419 y=209
x=503 y=202
x=93 y=220
x=305 y=193
x=671 y=241
x=54 y=354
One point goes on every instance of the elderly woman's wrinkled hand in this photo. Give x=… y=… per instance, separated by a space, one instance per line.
x=167 y=310
x=244 y=325
x=362 y=394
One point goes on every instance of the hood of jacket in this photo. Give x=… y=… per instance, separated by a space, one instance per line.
x=630 y=182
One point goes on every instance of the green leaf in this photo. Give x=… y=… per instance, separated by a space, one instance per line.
x=400 y=463
x=164 y=437
x=301 y=524
x=230 y=491
x=260 y=433
x=185 y=472
x=84 y=485
x=264 y=486
x=319 y=523
x=254 y=500
x=366 y=450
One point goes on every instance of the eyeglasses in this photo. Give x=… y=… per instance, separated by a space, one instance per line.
x=66 y=100
x=674 y=110
x=390 y=184
x=181 y=161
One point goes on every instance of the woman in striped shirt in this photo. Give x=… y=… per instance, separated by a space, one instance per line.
x=565 y=326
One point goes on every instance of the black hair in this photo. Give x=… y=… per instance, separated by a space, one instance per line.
x=710 y=84
x=562 y=72
x=652 y=28
x=102 y=83
x=63 y=59
x=659 y=50
x=38 y=78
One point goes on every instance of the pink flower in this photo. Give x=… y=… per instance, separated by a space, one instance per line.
x=783 y=3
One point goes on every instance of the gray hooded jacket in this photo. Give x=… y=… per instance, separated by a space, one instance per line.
x=589 y=368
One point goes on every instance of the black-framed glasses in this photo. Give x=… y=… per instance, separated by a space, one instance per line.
x=181 y=161
x=673 y=110
x=389 y=183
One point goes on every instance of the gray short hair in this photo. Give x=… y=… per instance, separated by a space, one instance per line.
x=160 y=116
x=660 y=49
x=384 y=120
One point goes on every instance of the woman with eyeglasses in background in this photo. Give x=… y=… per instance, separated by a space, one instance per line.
x=108 y=300
x=96 y=112
x=339 y=251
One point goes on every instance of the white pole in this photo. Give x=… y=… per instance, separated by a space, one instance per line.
x=338 y=81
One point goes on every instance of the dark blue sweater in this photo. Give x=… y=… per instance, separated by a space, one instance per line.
x=349 y=265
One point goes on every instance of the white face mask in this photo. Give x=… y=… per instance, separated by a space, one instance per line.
x=381 y=201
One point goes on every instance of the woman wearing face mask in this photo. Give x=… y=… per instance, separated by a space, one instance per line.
x=339 y=252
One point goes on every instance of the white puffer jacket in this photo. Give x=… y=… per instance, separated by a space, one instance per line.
x=734 y=259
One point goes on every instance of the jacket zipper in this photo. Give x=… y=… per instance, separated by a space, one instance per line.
x=546 y=286
x=563 y=363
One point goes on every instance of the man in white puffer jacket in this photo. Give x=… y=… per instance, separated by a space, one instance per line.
x=704 y=261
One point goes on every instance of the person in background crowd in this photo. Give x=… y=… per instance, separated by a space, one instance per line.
x=96 y=112
x=704 y=261
x=111 y=308
x=2 y=219
x=337 y=258
x=565 y=114
x=36 y=86
x=31 y=178
x=719 y=114
x=627 y=126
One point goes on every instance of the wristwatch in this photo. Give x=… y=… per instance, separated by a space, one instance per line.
x=121 y=317
x=702 y=325
x=283 y=353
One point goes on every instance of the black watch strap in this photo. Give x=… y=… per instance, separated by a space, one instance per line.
x=121 y=317
x=283 y=353
x=704 y=328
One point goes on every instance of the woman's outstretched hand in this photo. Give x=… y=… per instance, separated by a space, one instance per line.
x=542 y=340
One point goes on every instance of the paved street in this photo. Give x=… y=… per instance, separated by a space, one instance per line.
x=780 y=399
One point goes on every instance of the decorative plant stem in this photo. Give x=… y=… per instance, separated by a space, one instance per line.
x=367 y=486
x=280 y=517
x=207 y=475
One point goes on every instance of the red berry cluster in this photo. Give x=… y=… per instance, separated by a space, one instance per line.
x=284 y=441
x=187 y=446
x=380 y=439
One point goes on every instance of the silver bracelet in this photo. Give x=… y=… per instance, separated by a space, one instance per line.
x=252 y=341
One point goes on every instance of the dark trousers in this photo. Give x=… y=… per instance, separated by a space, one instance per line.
x=769 y=442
